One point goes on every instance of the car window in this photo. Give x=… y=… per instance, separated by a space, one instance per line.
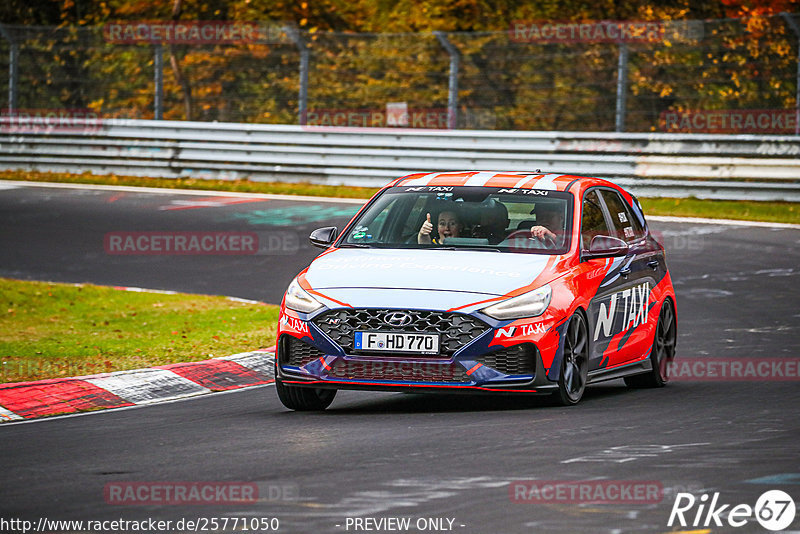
x=378 y=229
x=626 y=226
x=495 y=218
x=593 y=222
x=414 y=218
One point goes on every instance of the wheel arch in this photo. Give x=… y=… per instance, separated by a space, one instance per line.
x=554 y=373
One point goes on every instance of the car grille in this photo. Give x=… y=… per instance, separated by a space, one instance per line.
x=514 y=360
x=456 y=329
x=297 y=353
x=398 y=371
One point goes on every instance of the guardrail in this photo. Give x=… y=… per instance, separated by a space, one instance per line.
x=755 y=167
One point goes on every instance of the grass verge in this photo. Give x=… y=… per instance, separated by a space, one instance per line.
x=50 y=330
x=782 y=212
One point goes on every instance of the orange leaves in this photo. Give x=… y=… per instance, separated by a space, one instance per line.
x=759 y=8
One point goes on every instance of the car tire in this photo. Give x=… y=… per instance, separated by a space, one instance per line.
x=662 y=352
x=574 y=362
x=304 y=399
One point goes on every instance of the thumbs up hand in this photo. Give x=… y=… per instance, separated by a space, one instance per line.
x=425 y=230
x=427 y=226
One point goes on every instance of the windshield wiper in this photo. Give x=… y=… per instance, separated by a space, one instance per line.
x=477 y=249
x=354 y=245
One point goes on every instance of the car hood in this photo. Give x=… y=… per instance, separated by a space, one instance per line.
x=461 y=271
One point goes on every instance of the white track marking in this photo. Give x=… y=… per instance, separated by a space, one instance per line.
x=699 y=220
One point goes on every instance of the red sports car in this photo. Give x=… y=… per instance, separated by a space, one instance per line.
x=480 y=282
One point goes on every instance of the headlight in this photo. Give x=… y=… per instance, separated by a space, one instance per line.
x=530 y=304
x=298 y=299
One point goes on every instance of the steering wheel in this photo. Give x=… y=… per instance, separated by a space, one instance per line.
x=524 y=236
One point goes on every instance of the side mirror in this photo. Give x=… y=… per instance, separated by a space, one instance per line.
x=604 y=245
x=323 y=237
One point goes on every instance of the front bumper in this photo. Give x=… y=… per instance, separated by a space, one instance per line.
x=517 y=369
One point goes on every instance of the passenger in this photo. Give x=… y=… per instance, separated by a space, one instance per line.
x=448 y=225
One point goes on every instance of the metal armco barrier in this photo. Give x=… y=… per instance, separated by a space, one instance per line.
x=754 y=167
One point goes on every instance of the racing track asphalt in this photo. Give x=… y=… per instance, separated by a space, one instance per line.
x=384 y=455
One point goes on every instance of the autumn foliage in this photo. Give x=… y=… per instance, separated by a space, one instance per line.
x=364 y=54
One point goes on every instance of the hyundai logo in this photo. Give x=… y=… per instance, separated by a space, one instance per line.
x=397 y=319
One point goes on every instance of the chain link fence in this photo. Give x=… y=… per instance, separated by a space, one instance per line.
x=728 y=76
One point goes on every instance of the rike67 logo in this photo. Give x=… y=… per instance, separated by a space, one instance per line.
x=774 y=510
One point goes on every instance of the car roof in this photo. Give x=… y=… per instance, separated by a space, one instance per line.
x=507 y=179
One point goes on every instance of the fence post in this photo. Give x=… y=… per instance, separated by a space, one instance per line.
x=302 y=47
x=158 y=66
x=452 y=85
x=796 y=29
x=13 y=69
x=622 y=87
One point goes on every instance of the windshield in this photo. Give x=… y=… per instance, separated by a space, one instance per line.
x=507 y=220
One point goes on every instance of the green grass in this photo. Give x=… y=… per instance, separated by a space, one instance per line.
x=50 y=330
x=783 y=212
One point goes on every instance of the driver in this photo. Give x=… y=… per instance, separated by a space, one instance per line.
x=549 y=227
x=448 y=225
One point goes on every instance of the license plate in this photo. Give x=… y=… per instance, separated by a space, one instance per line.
x=397 y=342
